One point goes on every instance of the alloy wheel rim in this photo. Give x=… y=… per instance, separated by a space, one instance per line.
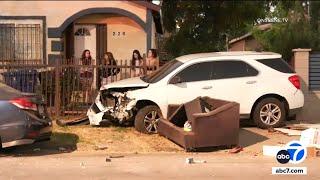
x=270 y=114
x=151 y=120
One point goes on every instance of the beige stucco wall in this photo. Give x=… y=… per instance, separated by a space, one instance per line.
x=311 y=109
x=58 y=11
x=121 y=46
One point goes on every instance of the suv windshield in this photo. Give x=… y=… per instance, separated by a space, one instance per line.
x=162 y=72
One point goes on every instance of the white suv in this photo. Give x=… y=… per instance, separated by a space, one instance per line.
x=267 y=89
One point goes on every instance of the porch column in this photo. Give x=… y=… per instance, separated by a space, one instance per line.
x=301 y=66
x=149 y=29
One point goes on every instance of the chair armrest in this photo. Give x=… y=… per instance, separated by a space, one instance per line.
x=218 y=110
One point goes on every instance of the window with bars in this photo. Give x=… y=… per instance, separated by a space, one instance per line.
x=21 y=43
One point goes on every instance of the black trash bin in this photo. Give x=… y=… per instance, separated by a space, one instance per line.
x=22 y=80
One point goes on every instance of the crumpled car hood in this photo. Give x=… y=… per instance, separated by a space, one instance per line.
x=131 y=82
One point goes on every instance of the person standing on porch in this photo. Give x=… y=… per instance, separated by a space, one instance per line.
x=86 y=74
x=152 y=61
x=137 y=63
x=109 y=72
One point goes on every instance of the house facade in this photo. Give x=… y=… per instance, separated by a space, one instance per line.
x=46 y=31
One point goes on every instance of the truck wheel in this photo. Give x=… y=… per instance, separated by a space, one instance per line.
x=147 y=118
x=269 y=112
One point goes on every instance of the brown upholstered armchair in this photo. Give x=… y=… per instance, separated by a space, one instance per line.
x=214 y=123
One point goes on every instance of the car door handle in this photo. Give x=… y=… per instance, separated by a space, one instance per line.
x=251 y=82
x=207 y=87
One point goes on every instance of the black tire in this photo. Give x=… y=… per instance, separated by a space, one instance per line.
x=275 y=120
x=139 y=122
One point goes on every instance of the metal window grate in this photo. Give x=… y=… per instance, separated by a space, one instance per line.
x=21 y=43
x=314 y=71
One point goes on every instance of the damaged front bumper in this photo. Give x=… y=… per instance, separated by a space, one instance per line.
x=111 y=106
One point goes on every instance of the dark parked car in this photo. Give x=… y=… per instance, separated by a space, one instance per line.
x=23 y=118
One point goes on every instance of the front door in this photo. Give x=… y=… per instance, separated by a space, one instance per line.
x=85 y=38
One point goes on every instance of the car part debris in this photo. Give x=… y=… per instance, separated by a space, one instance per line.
x=116 y=156
x=271 y=150
x=236 y=149
x=192 y=161
x=111 y=106
x=289 y=132
x=83 y=120
x=310 y=137
x=101 y=147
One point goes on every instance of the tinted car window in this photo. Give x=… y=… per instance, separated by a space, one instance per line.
x=196 y=72
x=277 y=64
x=232 y=69
x=162 y=72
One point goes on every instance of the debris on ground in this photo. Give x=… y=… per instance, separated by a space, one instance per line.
x=236 y=149
x=311 y=152
x=303 y=126
x=271 y=130
x=108 y=160
x=36 y=149
x=310 y=137
x=289 y=132
x=101 y=147
x=282 y=143
x=192 y=161
x=271 y=150
x=83 y=120
x=116 y=156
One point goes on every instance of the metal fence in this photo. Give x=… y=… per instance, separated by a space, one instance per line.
x=69 y=89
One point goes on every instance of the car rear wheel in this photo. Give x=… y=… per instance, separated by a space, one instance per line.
x=269 y=112
x=147 y=118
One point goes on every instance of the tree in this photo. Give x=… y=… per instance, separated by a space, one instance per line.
x=202 y=26
x=299 y=32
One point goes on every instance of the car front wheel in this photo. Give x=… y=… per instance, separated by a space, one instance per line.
x=147 y=118
x=269 y=112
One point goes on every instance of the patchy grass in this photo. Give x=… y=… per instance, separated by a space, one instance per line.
x=117 y=139
x=64 y=138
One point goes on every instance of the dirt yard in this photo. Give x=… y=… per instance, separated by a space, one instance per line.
x=125 y=140
x=114 y=139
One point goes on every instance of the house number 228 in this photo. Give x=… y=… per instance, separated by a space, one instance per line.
x=119 y=33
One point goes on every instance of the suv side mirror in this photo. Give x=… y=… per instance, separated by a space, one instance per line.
x=176 y=80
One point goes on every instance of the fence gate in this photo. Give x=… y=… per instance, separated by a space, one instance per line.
x=314 y=71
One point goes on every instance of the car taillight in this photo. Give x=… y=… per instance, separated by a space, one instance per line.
x=295 y=81
x=24 y=103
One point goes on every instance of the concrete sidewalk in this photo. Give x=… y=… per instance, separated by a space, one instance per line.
x=159 y=166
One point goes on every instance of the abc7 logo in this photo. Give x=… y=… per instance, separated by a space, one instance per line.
x=295 y=153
